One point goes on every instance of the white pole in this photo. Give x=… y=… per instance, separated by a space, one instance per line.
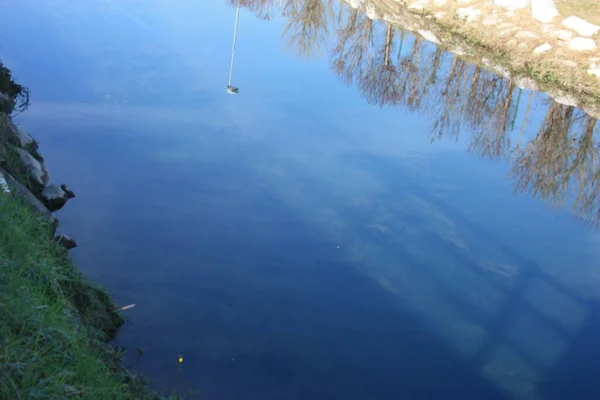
x=237 y=14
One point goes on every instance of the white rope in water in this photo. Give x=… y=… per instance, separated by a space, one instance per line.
x=237 y=14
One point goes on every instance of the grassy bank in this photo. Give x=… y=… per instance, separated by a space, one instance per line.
x=53 y=324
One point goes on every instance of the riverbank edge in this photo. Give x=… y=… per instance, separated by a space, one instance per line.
x=457 y=36
x=55 y=325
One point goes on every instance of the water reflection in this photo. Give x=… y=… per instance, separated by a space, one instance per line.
x=393 y=68
x=297 y=243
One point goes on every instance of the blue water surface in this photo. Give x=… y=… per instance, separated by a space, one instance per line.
x=295 y=241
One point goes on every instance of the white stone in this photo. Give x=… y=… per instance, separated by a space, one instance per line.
x=416 y=6
x=594 y=71
x=439 y=14
x=582 y=44
x=356 y=3
x=469 y=14
x=542 y=49
x=543 y=10
x=525 y=34
x=497 y=68
x=429 y=36
x=512 y=4
x=563 y=35
x=526 y=83
x=490 y=20
x=580 y=26
x=565 y=99
x=372 y=12
x=440 y=2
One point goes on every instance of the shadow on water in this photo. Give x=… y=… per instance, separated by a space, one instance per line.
x=558 y=163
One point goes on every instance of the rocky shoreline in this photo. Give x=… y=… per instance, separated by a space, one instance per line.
x=23 y=171
x=36 y=267
x=526 y=41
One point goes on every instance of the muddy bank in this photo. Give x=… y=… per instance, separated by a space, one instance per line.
x=559 y=56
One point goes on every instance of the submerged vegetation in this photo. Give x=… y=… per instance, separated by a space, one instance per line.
x=393 y=68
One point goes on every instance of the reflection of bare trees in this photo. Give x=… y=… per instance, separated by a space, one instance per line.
x=307 y=26
x=354 y=46
x=560 y=163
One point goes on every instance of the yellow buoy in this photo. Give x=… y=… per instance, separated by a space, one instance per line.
x=180 y=360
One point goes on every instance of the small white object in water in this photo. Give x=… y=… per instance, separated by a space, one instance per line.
x=127 y=307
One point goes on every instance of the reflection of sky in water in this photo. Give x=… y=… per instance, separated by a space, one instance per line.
x=293 y=242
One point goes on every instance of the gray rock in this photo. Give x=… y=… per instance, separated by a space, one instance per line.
x=54 y=197
x=66 y=241
x=68 y=191
x=32 y=201
x=16 y=135
x=35 y=169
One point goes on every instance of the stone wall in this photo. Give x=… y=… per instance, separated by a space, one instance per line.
x=537 y=43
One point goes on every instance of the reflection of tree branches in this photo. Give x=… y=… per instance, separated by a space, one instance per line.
x=353 y=48
x=260 y=8
x=559 y=163
x=307 y=25
x=492 y=140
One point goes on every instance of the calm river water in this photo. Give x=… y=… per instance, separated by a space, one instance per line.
x=369 y=218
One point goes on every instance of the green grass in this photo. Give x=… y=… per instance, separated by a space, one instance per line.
x=53 y=324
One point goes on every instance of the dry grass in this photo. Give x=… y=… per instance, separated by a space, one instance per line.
x=586 y=9
x=548 y=70
x=557 y=69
